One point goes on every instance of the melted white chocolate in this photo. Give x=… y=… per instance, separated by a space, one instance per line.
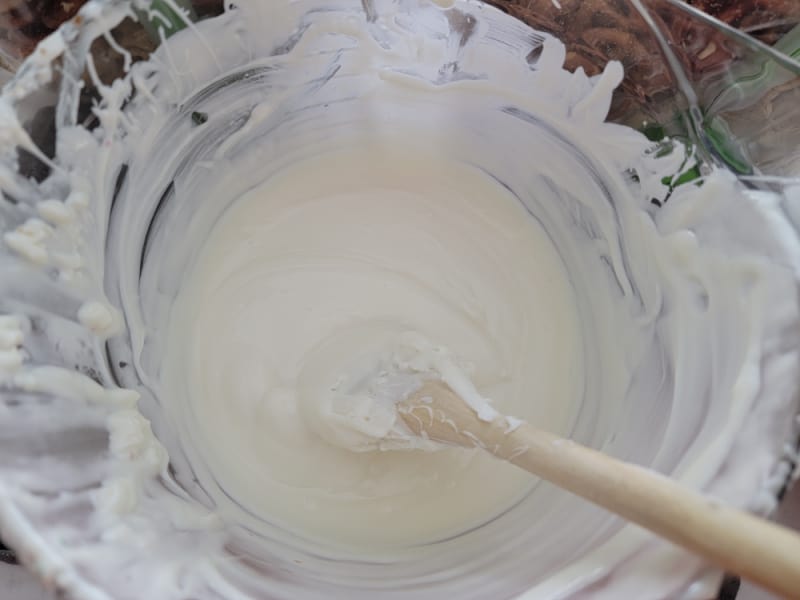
x=318 y=270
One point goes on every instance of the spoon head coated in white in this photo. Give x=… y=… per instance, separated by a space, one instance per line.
x=351 y=384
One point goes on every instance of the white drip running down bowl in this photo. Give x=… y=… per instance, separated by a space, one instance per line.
x=98 y=509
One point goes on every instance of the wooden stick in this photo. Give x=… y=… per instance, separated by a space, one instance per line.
x=737 y=541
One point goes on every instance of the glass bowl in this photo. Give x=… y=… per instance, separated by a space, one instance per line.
x=693 y=84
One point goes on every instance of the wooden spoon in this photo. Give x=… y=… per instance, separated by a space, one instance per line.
x=739 y=542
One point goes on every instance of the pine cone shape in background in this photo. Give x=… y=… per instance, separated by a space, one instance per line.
x=767 y=20
x=596 y=31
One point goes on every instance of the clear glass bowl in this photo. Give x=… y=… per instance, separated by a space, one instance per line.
x=689 y=77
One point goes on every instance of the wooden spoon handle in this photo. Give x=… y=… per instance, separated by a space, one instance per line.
x=741 y=543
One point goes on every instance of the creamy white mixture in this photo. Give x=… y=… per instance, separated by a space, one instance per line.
x=368 y=173
x=303 y=284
